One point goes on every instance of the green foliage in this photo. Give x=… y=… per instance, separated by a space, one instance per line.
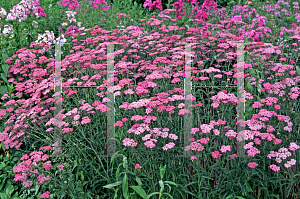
x=4 y=75
x=124 y=184
x=9 y=189
x=166 y=3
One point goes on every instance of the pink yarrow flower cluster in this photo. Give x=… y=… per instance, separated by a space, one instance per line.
x=170 y=145
x=225 y=98
x=29 y=164
x=216 y=154
x=27 y=168
x=45 y=195
x=252 y=164
x=129 y=142
x=224 y=148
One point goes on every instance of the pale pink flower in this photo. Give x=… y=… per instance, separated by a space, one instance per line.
x=149 y=144
x=224 y=148
x=215 y=154
x=274 y=167
x=61 y=167
x=193 y=158
x=216 y=131
x=293 y=146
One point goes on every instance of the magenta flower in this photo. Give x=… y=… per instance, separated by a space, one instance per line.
x=46 y=195
x=252 y=164
x=138 y=166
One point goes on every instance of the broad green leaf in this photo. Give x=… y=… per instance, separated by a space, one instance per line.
x=125 y=166
x=161 y=184
x=37 y=187
x=172 y=183
x=254 y=74
x=162 y=172
x=118 y=172
x=250 y=109
x=138 y=180
x=75 y=165
x=298 y=70
x=4 y=78
x=16 y=159
x=249 y=86
x=3 y=196
x=4 y=56
x=258 y=98
x=155 y=193
x=248 y=188
x=5 y=68
x=3 y=182
x=2 y=165
x=116 y=193
x=140 y=191
x=125 y=186
x=9 y=190
x=129 y=172
x=3 y=90
x=109 y=186
x=259 y=88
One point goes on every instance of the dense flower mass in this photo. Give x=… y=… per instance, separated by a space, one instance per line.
x=24 y=8
x=2 y=13
x=72 y=4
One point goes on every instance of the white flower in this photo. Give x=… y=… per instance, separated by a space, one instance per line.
x=61 y=40
x=19 y=12
x=35 y=24
x=8 y=29
x=73 y=19
x=2 y=13
x=10 y=17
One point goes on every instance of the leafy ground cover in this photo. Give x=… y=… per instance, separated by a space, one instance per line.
x=150 y=103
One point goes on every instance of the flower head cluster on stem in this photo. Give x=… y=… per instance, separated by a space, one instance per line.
x=24 y=8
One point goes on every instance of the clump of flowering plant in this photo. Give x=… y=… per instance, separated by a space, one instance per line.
x=152 y=5
x=25 y=7
x=73 y=4
x=2 y=13
x=49 y=38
